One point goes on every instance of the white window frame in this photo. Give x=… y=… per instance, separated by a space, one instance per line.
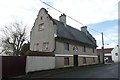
x=41 y=27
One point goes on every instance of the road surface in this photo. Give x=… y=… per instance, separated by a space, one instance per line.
x=94 y=71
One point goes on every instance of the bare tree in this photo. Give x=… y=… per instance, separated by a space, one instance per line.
x=14 y=38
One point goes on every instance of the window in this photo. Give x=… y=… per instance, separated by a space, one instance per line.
x=93 y=59
x=45 y=45
x=66 y=46
x=93 y=50
x=41 y=17
x=84 y=60
x=41 y=27
x=116 y=54
x=84 y=49
x=66 y=60
x=75 y=48
x=36 y=47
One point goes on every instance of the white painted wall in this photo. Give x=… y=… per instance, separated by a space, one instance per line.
x=36 y=63
x=114 y=57
x=38 y=38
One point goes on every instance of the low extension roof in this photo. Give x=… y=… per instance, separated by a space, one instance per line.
x=106 y=50
x=68 y=32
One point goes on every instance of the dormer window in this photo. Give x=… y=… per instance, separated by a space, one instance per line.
x=41 y=27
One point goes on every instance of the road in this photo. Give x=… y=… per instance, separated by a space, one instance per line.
x=94 y=71
x=106 y=71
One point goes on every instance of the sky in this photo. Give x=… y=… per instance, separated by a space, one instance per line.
x=99 y=15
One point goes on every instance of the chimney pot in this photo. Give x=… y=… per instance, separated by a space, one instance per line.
x=62 y=18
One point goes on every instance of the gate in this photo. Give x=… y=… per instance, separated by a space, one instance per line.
x=13 y=66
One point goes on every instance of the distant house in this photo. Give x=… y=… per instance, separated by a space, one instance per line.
x=70 y=46
x=115 y=54
x=107 y=55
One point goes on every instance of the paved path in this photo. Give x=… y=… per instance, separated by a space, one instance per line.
x=94 y=71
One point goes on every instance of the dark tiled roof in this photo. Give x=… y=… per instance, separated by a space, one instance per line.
x=71 y=33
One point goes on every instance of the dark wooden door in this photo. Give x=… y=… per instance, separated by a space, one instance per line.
x=75 y=58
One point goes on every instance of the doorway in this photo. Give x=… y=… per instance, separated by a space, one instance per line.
x=75 y=59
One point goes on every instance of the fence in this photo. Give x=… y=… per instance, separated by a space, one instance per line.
x=13 y=66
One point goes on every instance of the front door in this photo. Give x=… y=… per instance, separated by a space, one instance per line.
x=75 y=58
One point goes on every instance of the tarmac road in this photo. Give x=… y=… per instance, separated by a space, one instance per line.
x=93 y=71
x=106 y=71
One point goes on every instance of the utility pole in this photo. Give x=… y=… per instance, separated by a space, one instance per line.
x=103 y=47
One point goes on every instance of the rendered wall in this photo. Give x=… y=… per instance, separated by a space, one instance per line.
x=37 y=63
x=114 y=57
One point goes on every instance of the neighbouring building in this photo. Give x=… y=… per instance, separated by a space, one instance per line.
x=115 y=54
x=69 y=46
x=107 y=57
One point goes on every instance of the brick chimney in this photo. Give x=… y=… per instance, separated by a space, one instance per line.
x=62 y=18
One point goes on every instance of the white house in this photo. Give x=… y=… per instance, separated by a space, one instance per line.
x=69 y=46
x=115 y=54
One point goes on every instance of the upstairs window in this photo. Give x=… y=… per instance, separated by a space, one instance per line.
x=75 y=48
x=41 y=27
x=93 y=50
x=45 y=45
x=66 y=46
x=84 y=49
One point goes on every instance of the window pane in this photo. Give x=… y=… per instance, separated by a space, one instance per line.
x=66 y=46
x=41 y=27
x=66 y=60
x=45 y=45
x=84 y=60
x=116 y=54
x=84 y=49
x=93 y=50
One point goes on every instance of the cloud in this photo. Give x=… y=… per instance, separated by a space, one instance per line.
x=110 y=31
x=88 y=11
x=85 y=11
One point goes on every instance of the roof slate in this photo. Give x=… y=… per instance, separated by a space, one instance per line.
x=68 y=32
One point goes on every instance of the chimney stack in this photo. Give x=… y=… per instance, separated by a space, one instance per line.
x=62 y=18
x=84 y=29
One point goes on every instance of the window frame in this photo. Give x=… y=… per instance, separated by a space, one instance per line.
x=84 y=48
x=45 y=46
x=66 y=46
x=116 y=54
x=93 y=59
x=93 y=50
x=66 y=61
x=41 y=27
x=84 y=60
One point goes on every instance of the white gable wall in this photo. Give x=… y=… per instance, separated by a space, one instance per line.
x=38 y=37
